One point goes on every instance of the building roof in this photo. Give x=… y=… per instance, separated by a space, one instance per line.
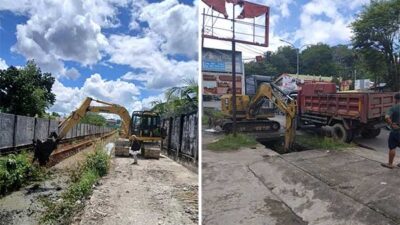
x=306 y=77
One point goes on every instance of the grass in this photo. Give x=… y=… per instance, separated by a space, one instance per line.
x=229 y=142
x=318 y=142
x=16 y=170
x=62 y=211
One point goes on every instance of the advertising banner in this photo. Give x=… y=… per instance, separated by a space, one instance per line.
x=217 y=72
x=216 y=60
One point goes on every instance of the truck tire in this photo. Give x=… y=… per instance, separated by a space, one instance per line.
x=370 y=133
x=342 y=134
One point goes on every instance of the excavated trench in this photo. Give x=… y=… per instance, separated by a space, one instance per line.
x=278 y=146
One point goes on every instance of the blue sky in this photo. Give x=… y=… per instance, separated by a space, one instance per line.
x=301 y=22
x=126 y=52
x=129 y=51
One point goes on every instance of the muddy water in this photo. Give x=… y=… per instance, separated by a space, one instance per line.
x=23 y=207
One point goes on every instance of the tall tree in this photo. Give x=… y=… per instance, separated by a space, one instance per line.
x=26 y=91
x=94 y=119
x=344 y=59
x=260 y=68
x=181 y=99
x=377 y=33
x=318 y=60
x=284 y=60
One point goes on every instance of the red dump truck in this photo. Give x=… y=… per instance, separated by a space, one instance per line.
x=348 y=113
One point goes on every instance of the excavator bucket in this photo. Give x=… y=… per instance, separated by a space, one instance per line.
x=43 y=150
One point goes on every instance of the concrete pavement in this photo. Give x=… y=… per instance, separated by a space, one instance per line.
x=378 y=143
x=258 y=186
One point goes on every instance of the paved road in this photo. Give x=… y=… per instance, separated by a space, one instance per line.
x=258 y=186
x=379 y=143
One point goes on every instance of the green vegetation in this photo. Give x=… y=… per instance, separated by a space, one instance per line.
x=211 y=116
x=61 y=212
x=17 y=170
x=26 y=91
x=376 y=36
x=179 y=100
x=374 y=52
x=230 y=142
x=317 y=59
x=318 y=142
x=94 y=119
x=51 y=116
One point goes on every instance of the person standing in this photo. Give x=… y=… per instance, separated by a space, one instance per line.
x=136 y=146
x=393 y=119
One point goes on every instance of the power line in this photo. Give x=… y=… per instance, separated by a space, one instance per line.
x=250 y=49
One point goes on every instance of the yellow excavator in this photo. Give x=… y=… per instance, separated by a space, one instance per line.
x=250 y=120
x=143 y=126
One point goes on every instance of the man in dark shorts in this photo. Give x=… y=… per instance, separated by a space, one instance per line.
x=393 y=119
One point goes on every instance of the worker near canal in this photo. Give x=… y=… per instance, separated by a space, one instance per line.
x=393 y=119
x=135 y=149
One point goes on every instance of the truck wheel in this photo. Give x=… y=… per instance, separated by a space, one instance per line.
x=340 y=133
x=370 y=133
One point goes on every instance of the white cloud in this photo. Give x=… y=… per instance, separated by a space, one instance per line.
x=143 y=53
x=72 y=73
x=136 y=10
x=58 y=30
x=96 y=87
x=327 y=21
x=3 y=64
x=147 y=103
x=143 y=104
x=175 y=24
x=113 y=91
x=22 y=7
x=129 y=76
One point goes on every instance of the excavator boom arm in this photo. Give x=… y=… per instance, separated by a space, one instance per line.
x=85 y=107
x=273 y=93
x=44 y=149
x=74 y=118
x=118 y=110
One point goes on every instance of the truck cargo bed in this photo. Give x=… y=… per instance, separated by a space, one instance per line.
x=362 y=106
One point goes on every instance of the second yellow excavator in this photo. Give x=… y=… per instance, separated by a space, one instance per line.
x=248 y=118
x=143 y=126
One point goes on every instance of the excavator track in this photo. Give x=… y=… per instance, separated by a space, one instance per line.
x=251 y=126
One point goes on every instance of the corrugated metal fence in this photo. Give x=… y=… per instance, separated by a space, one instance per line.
x=17 y=131
x=182 y=136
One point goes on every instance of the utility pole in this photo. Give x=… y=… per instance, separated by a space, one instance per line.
x=298 y=54
x=355 y=78
x=297 y=73
x=233 y=74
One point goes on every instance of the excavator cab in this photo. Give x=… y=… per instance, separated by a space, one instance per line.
x=146 y=124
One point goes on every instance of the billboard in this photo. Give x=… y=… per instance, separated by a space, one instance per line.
x=217 y=72
x=216 y=60
x=220 y=84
